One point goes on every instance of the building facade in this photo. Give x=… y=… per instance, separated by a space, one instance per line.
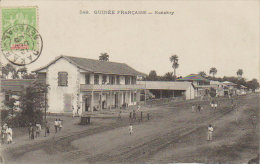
x=86 y=85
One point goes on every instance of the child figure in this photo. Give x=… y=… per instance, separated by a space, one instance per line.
x=130 y=129
x=210 y=131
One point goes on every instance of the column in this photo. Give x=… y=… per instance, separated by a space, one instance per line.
x=101 y=101
x=92 y=101
x=144 y=97
x=110 y=100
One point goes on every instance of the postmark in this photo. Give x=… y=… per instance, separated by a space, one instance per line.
x=21 y=42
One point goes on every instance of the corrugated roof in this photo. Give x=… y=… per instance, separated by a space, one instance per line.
x=166 y=85
x=98 y=66
x=15 y=85
x=193 y=77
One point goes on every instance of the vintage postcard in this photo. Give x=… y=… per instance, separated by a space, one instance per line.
x=129 y=81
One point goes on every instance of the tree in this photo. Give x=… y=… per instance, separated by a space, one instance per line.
x=32 y=103
x=104 y=57
x=9 y=68
x=202 y=73
x=175 y=63
x=152 y=76
x=168 y=76
x=213 y=71
x=253 y=84
x=240 y=73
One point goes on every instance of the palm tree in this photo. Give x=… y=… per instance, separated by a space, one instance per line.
x=168 y=76
x=104 y=57
x=175 y=63
x=240 y=72
x=213 y=71
x=202 y=73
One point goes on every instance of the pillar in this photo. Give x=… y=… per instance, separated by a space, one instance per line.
x=92 y=101
x=101 y=102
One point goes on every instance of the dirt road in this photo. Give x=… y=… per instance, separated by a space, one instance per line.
x=174 y=134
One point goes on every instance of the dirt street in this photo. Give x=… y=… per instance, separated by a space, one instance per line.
x=174 y=134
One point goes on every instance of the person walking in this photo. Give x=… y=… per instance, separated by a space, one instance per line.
x=210 y=131
x=56 y=125
x=130 y=116
x=130 y=129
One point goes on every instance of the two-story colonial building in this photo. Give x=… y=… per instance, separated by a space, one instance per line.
x=82 y=85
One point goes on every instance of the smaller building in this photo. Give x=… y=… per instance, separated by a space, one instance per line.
x=170 y=89
x=12 y=88
x=229 y=88
x=200 y=83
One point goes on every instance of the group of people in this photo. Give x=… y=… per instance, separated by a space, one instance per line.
x=58 y=124
x=196 y=108
x=6 y=134
x=34 y=130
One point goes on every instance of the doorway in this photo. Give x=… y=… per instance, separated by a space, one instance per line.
x=87 y=104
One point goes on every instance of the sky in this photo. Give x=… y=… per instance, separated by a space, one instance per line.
x=204 y=34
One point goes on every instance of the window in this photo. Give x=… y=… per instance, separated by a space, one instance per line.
x=62 y=79
x=127 y=80
x=104 y=79
x=112 y=80
x=87 y=79
x=96 y=79
x=133 y=80
x=118 y=79
x=132 y=97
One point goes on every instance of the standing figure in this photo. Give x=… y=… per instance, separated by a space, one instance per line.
x=30 y=130
x=130 y=129
x=119 y=115
x=130 y=116
x=148 y=116
x=210 y=131
x=9 y=133
x=47 y=128
x=3 y=133
x=193 y=108
x=56 y=124
x=73 y=111
x=38 y=130
x=60 y=124
x=134 y=115
x=199 y=107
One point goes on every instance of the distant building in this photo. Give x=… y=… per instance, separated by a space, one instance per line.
x=88 y=85
x=170 y=89
x=200 y=83
x=230 y=88
x=12 y=88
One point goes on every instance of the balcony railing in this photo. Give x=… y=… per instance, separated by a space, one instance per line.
x=94 y=87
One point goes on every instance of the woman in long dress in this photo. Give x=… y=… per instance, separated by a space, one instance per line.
x=9 y=133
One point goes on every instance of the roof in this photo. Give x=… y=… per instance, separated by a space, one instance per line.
x=97 y=66
x=166 y=85
x=193 y=77
x=15 y=85
x=229 y=83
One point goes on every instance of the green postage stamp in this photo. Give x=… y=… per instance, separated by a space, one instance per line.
x=21 y=42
